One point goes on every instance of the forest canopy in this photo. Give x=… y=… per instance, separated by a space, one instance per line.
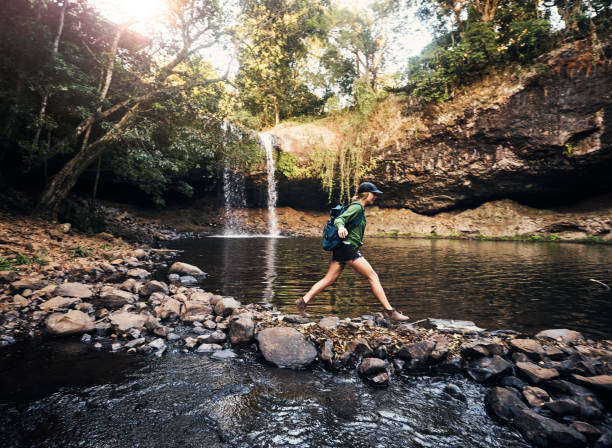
x=143 y=102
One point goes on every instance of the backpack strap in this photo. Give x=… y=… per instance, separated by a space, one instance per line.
x=355 y=223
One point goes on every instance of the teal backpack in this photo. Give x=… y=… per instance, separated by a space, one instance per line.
x=331 y=240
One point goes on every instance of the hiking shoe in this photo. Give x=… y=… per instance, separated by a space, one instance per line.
x=301 y=305
x=395 y=315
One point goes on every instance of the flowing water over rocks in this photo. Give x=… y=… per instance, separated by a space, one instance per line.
x=65 y=393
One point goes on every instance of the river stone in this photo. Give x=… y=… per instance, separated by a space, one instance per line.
x=226 y=306
x=535 y=396
x=73 y=290
x=139 y=253
x=241 y=331
x=196 y=311
x=295 y=319
x=561 y=335
x=215 y=337
x=114 y=297
x=587 y=430
x=135 y=342
x=153 y=286
x=188 y=280
x=464 y=326
x=534 y=373
x=546 y=432
x=600 y=382
x=286 y=347
x=138 y=273
x=533 y=349
x=20 y=301
x=381 y=379
x=481 y=348
x=418 y=350
x=487 y=369
x=184 y=269
x=372 y=366
x=327 y=352
x=72 y=322
x=207 y=348
x=169 y=309
x=455 y=391
x=513 y=381
x=59 y=302
x=32 y=283
x=553 y=353
x=563 y=406
x=223 y=355
x=329 y=323
x=8 y=276
x=503 y=403
x=125 y=320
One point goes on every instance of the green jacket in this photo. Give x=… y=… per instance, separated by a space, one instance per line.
x=355 y=236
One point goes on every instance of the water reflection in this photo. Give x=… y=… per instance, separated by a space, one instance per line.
x=521 y=286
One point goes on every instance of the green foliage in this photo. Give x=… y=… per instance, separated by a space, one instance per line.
x=80 y=251
x=287 y=165
x=6 y=264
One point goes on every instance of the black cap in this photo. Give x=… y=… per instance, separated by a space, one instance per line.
x=368 y=187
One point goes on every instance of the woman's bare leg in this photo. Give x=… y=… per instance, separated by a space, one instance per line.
x=364 y=268
x=334 y=271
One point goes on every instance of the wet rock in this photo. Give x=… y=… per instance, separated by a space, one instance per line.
x=215 y=337
x=296 y=319
x=605 y=441
x=452 y=365
x=223 y=355
x=226 y=306
x=241 y=331
x=32 y=283
x=72 y=322
x=115 y=298
x=138 y=273
x=329 y=323
x=209 y=324
x=455 y=391
x=441 y=349
x=286 y=347
x=419 y=350
x=553 y=353
x=358 y=348
x=162 y=331
x=86 y=307
x=130 y=285
x=512 y=381
x=125 y=320
x=546 y=432
x=174 y=277
x=503 y=403
x=465 y=326
x=135 y=343
x=190 y=342
x=380 y=379
x=184 y=269
x=78 y=290
x=207 y=348
x=533 y=349
x=86 y=338
x=535 y=396
x=157 y=344
x=372 y=366
x=188 y=280
x=153 y=286
x=563 y=407
x=169 y=309
x=58 y=302
x=561 y=335
x=535 y=374
x=116 y=346
x=481 y=348
x=587 y=430
x=327 y=352
x=601 y=383
x=487 y=369
x=195 y=311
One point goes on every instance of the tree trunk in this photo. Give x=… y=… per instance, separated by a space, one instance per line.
x=43 y=106
x=95 y=187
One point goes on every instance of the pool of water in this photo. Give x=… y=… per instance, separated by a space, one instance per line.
x=65 y=394
x=498 y=285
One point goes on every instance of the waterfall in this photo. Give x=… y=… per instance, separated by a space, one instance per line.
x=265 y=140
x=233 y=191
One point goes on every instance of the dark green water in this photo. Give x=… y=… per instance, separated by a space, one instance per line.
x=498 y=285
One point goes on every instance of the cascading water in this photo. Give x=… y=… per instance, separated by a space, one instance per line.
x=265 y=141
x=233 y=191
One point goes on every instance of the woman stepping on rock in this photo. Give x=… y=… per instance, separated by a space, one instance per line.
x=347 y=252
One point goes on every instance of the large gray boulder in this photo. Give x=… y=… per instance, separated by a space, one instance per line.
x=241 y=331
x=114 y=297
x=561 y=335
x=329 y=323
x=533 y=349
x=487 y=369
x=286 y=347
x=503 y=403
x=72 y=322
x=77 y=290
x=183 y=269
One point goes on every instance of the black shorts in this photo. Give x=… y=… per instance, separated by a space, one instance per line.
x=346 y=252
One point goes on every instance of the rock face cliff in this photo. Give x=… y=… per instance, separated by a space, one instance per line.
x=552 y=137
x=546 y=140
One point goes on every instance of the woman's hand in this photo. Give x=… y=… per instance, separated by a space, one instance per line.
x=342 y=232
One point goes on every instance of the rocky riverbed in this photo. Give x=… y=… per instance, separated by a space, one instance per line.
x=555 y=386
